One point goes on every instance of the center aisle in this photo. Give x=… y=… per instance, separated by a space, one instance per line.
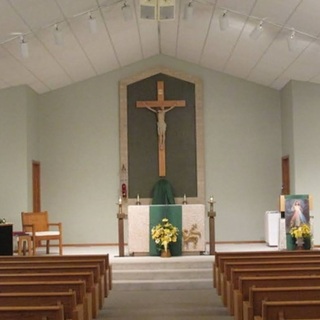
x=164 y=304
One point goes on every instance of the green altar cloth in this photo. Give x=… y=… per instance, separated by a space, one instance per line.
x=162 y=193
x=174 y=214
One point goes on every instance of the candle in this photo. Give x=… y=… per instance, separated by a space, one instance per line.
x=184 y=197
x=211 y=199
x=138 y=198
x=120 y=200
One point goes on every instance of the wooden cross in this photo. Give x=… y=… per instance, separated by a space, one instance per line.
x=161 y=107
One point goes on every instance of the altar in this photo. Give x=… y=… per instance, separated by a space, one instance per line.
x=190 y=219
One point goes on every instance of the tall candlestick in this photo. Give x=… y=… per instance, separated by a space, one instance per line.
x=184 y=199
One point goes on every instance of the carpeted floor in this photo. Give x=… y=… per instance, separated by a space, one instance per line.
x=164 y=304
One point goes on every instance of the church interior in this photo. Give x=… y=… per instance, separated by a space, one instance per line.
x=102 y=100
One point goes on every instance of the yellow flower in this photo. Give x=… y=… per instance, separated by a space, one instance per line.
x=303 y=231
x=164 y=233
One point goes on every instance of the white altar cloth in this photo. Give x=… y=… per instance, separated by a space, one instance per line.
x=193 y=227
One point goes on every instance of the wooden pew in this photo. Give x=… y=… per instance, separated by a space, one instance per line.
x=102 y=259
x=245 y=283
x=254 y=256
x=277 y=310
x=51 y=277
x=32 y=313
x=253 y=307
x=233 y=269
x=237 y=273
x=21 y=267
x=67 y=299
x=264 y=262
x=78 y=286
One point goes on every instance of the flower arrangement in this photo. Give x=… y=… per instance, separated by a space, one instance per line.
x=164 y=233
x=303 y=231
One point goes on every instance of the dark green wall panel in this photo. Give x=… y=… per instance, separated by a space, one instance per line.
x=181 y=166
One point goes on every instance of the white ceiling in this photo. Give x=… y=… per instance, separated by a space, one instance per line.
x=118 y=43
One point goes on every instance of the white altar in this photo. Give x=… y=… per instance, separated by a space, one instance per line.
x=192 y=233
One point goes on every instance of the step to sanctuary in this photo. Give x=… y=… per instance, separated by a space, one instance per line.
x=156 y=273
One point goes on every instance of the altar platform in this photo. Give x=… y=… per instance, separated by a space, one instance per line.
x=185 y=272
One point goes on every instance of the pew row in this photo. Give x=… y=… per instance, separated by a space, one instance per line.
x=253 y=307
x=32 y=313
x=245 y=283
x=77 y=286
x=87 y=277
x=297 y=310
x=254 y=256
x=279 y=262
x=67 y=299
x=23 y=268
x=102 y=259
x=237 y=273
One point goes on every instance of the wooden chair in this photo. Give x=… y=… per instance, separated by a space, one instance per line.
x=37 y=225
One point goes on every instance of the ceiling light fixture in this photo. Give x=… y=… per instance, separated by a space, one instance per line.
x=24 y=47
x=126 y=11
x=58 y=36
x=188 y=11
x=157 y=9
x=224 y=21
x=92 y=23
x=292 y=41
x=256 y=32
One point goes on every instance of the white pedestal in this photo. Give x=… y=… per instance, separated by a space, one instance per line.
x=272 y=221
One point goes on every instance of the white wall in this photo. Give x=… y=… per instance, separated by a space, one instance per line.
x=32 y=136
x=306 y=131
x=79 y=153
x=287 y=131
x=16 y=145
x=243 y=150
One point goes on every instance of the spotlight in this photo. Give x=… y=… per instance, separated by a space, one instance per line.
x=58 y=36
x=188 y=11
x=24 y=47
x=292 y=41
x=92 y=24
x=224 y=21
x=256 y=32
x=127 y=12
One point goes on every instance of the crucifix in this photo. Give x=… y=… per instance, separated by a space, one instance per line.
x=161 y=107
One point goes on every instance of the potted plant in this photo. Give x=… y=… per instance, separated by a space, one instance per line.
x=302 y=235
x=163 y=234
